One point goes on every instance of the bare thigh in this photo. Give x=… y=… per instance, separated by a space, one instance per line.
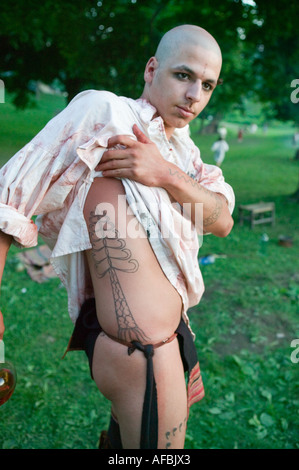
x=134 y=299
x=122 y=379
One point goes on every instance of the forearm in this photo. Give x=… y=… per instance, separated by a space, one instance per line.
x=216 y=217
x=5 y=242
x=142 y=161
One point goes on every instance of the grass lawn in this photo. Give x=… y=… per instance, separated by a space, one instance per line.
x=244 y=324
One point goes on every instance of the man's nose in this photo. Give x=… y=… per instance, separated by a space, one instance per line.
x=194 y=91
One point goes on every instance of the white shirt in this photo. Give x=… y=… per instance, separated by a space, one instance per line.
x=220 y=147
x=51 y=176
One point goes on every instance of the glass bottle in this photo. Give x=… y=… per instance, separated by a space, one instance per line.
x=8 y=376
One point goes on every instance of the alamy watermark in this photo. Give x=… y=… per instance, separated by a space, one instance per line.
x=156 y=220
x=295 y=353
x=2 y=353
x=295 y=93
x=2 y=91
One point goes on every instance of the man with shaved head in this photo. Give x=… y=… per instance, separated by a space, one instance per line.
x=122 y=198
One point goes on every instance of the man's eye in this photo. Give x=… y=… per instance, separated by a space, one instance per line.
x=182 y=75
x=206 y=86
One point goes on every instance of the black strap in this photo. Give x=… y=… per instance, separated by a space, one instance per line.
x=149 y=424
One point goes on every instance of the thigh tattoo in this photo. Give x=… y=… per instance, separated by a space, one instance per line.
x=173 y=433
x=110 y=255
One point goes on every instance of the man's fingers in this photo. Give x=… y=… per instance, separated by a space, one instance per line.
x=124 y=152
x=141 y=137
x=117 y=154
x=124 y=140
x=117 y=173
x=127 y=141
x=110 y=164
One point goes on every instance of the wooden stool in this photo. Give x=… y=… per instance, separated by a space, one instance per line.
x=260 y=213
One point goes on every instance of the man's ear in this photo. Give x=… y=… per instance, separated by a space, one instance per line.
x=150 y=69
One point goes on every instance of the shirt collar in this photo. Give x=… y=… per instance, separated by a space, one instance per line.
x=147 y=111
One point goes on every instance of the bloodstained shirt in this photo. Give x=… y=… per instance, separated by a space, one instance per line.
x=51 y=176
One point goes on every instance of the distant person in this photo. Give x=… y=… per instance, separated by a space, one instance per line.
x=222 y=131
x=240 y=135
x=220 y=147
x=296 y=139
x=253 y=128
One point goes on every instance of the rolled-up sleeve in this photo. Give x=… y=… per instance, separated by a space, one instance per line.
x=21 y=228
x=48 y=162
x=23 y=183
x=211 y=177
x=39 y=179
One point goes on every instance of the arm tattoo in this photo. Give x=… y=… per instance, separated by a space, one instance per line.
x=186 y=178
x=213 y=217
x=216 y=212
x=111 y=255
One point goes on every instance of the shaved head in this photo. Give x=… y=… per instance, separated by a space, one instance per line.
x=182 y=75
x=182 y=36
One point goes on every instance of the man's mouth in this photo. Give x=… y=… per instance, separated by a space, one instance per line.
x=185 y=112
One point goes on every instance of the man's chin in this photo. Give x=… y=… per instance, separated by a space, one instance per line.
x=182 y=123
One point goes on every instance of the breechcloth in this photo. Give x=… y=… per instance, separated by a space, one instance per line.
x=86 y=331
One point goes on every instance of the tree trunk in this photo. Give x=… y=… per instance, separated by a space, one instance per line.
x=73 y=87
x=212 y=127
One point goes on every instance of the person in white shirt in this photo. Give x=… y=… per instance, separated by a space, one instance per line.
x=108 y=178
x=220 y=147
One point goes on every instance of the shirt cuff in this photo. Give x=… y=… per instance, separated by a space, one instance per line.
x=226 y=190
x=23 y=230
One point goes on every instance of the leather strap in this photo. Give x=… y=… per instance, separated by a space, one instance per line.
x=132 y=345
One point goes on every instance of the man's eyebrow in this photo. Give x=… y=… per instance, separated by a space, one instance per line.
x=185 y=68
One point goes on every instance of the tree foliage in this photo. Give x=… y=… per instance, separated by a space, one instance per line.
x=106 y=44
x=273 y=48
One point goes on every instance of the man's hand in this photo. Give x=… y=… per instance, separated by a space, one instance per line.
x=138 y=160
x=1 y=326
x=141 y=161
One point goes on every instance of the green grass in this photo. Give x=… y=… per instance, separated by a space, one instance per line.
x=244 y=324
x=249 y=312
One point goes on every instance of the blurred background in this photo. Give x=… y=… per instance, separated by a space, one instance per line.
x=247 y=322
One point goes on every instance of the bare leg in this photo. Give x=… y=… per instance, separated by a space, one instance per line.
x=134 y=301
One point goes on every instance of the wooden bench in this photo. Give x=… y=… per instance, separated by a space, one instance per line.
x=260 y=213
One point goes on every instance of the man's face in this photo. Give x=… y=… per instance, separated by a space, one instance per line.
x=181 y=86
